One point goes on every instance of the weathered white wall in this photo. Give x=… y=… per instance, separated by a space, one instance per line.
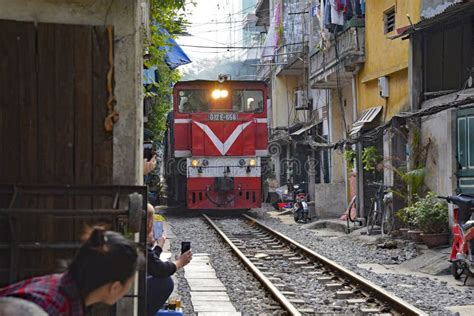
x=329 y=200
x=283 y=88
x=127 y=17
x=337 y=129
x=440 y=165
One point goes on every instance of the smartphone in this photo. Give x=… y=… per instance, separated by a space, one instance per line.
x=185 y=246
x=148 y=150
x=157 y=229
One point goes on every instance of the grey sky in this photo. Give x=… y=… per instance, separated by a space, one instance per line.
x=213 y=23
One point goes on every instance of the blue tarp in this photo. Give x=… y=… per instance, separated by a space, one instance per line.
x=149 y=75
x=175 y=56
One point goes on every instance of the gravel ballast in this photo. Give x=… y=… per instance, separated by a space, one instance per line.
x=245 y=292
x=250 y=298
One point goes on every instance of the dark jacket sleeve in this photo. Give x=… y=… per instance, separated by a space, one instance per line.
x=158 y=268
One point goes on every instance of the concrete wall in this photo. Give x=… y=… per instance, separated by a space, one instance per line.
x=441 y=128
x=283 y=88
x=336 y=127
x=440 y=166
x=385 y=57
x=327 y=200
x=126 y=16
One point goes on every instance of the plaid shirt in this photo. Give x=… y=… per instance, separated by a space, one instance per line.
x=57 y=294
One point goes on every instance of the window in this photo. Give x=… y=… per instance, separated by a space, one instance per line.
x=193 y=101
x=202 y=100
x=389 y=20
x=247 y=101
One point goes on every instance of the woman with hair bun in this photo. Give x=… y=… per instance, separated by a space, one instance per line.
x=102 y=272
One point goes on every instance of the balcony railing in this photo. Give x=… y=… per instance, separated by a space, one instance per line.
x=350 y=52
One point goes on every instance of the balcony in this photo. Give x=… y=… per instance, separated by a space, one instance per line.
x=289 y=60
x=328 y=69
x=263 y=72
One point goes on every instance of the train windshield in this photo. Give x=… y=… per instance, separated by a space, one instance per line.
x=247 y=100
x=239 y=100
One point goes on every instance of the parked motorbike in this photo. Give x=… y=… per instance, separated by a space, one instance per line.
x=462 y=250
x=285 y=198
x=300 y=207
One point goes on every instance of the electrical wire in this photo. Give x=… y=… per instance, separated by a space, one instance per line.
x=372 y=136
x=229 y=47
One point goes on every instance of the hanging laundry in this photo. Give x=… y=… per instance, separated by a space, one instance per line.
x=327 y=14
x=349 y=13
x=342 y=5
x=356 y=7
x=337 y=17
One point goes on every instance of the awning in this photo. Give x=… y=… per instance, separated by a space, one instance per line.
x=365 y=118
x=304 y=129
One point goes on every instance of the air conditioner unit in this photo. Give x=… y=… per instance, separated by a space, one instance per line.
x=383 y=87
x=300 y=100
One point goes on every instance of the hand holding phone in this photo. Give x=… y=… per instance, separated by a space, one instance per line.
x=186 y=255
x=185 y=246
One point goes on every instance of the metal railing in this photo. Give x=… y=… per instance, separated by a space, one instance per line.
x=350 y=42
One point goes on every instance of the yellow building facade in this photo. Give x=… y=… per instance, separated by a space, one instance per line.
x=385 y=57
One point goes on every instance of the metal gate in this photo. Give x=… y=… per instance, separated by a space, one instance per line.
x=41 y=226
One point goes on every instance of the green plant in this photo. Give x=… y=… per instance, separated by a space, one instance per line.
x=413 y=173
x=169 y=15
x=430 y=214
x=350 y=156
x=407 y=216
x=370 y=158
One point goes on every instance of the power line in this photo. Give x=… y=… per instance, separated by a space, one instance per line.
x=219 y=21
x=373 y=135
x=233 y=14
x=232 y=47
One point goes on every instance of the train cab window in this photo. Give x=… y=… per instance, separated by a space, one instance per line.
x=191 y=101
x=247 y=101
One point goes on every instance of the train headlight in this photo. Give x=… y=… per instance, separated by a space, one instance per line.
x=242 y=162
x=224 y=93
x=253 y=162
x=216 y=94
x=194 y=163
x=205 y=163
x=219 y=94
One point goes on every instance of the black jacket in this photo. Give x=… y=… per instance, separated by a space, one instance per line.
x=156 y=267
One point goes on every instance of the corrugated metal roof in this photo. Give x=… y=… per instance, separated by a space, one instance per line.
x=304 y=129
x=365 y=117
x=466 y=7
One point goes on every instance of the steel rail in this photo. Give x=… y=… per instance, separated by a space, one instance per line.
x=399 y=305
x=285 y=303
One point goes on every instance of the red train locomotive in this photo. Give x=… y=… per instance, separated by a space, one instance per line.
x=215 y=145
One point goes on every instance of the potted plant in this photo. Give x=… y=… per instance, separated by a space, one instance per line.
x=431 y=216
x=411 y=230
x=406 y=215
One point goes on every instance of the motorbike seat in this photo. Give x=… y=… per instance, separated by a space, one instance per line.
x=469 y=224
x=463 y=199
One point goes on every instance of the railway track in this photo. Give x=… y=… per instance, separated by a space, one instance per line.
x=299 y=279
